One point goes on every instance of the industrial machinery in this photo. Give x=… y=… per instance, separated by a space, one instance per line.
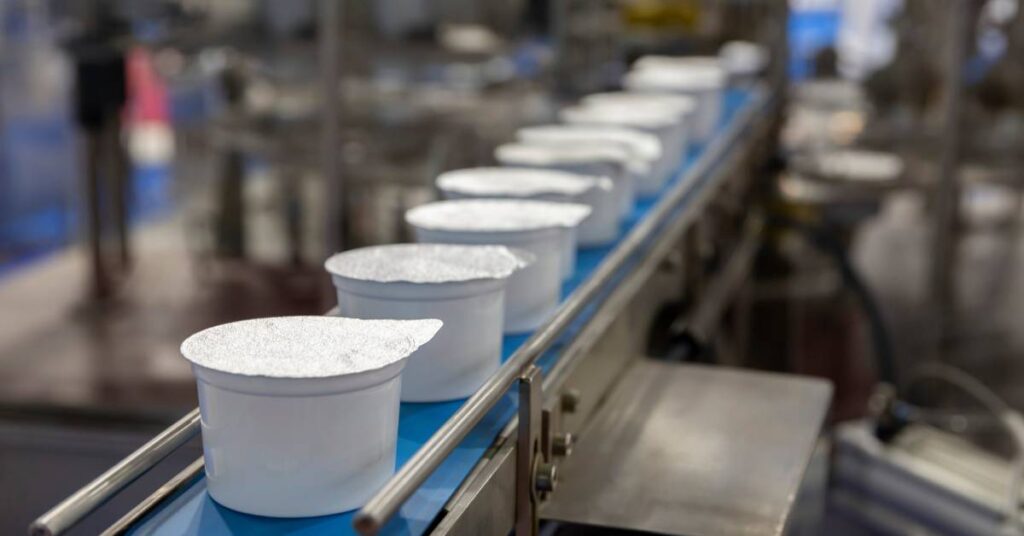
x=577 y=403
x=627 y=411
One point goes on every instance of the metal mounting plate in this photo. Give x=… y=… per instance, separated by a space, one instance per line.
x=686 y=449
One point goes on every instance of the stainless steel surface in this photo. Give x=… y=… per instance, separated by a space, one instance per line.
x=82 y=502
x=180 y=481
x=686 y=449
x=386 y=502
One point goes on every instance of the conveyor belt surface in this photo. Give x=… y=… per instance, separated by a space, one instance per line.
x=192 y=512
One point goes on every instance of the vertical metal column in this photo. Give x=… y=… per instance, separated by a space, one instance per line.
x=942 y=283
x=329 y=39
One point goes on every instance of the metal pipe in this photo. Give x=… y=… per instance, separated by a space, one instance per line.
x=181 y=481
x=383 y=505
x=71 y=510
x=945 y=237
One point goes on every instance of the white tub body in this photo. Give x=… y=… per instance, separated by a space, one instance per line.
x=707 y=95
x=569 y=245
x=708 y=113
x=463 y=354
x=629 y=185
x=287 y=447
x=705 y=117
x=623 y=183
x=602 y=225
x=599 y=229
x=533 y=293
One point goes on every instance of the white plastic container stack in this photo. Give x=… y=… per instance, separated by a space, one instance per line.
x=300 y=414
x=600 y=228
x=545 y=229
x=702 y=78
x=463 y=286
x=603 y=159
x=643 y=145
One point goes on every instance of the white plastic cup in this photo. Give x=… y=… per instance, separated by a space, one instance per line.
x=600 y=228
x=533 y=293
x=679 y=105
x=601 y=159
x=642 y=145
x=541 y=228
x=667 y=123
x=299 y=446
x=701 y=78
x=467 y=349
x=743 y=60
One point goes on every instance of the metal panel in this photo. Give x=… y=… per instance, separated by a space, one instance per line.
x=686 y=449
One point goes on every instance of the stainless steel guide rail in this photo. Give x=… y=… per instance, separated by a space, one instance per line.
x=389 y=499
x=84 y=501
x=404 y=483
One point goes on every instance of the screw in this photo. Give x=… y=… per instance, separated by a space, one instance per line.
x=546 y=478
x=561 y=445
x=570 y=400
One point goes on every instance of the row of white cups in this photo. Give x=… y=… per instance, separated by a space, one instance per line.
x=300 y=414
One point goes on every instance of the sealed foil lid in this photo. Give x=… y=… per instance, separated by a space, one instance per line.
x=307 y=346
x=496 y=215
x=643 y=144
x=427 y=263
x=518 y=182
x=682 y=75
x=681 y=103
x=533 y=154
x=743 y=57
x=641 y=117
x=658 y=61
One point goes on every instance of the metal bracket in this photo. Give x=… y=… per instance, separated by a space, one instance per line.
x=535 y=474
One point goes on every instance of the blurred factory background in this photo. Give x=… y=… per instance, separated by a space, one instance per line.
x=168 y=165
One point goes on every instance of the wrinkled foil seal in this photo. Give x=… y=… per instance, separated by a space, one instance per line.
x=518 y=182
x=496 y=215
x=307 y=346
x=684 y=104
x=643 y=144
x=646 y=117
x=679 y=75
x=532 y=154
x=427 y=263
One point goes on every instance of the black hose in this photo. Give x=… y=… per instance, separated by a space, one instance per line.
x=824 y=239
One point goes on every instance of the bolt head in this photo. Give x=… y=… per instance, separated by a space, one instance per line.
x=561 y=444
x=546 y=478
x=570 y=400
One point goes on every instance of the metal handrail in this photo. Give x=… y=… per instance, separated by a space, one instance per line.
x=71 y=510
x=383 y=505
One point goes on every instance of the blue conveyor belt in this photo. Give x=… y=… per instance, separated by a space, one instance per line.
x=192 y=512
